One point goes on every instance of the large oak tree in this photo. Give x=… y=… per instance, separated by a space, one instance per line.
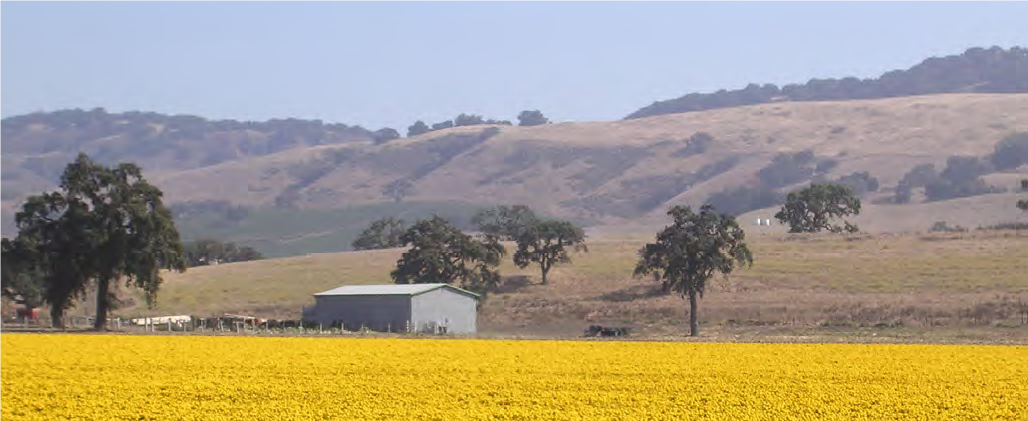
x=441 y=253
x=546 y=243
x=691 y=250
x=813 y=208
x=103 y=225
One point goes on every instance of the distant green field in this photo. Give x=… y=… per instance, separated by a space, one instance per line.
x=292 y=232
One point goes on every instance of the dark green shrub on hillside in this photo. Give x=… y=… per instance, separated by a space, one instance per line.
x=443 y=125
x=419 y=127
x=1011 y=152
x=859 y=183
x=698 y=143
x=960 y=178
x=786 y=169
x=532 y=118
x=740 y=200
x=942 y=226
x=386 y=134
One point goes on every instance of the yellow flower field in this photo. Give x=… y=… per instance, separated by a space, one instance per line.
x=103 y=377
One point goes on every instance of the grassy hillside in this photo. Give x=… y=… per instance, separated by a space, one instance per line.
x=617 y=171
x=611 y=173
x=289 y=232
x=797 y=281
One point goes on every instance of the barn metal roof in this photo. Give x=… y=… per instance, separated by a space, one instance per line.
x=403 y=289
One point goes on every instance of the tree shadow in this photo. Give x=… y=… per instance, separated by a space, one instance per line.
x=632 y=293
x=513 y=283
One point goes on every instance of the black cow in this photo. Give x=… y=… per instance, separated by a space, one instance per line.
x=597 y=330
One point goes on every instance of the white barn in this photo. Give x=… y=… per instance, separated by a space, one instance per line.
x=429 y=308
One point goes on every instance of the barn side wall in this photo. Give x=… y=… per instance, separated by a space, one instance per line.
x=444 y=306
x=380 y=313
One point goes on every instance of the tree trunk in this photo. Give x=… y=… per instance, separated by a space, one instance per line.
x=546 y=270
x=102 y=304
x=56 y=317
x=694 y=322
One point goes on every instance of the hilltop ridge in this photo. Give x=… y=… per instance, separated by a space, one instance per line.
x=977 y=70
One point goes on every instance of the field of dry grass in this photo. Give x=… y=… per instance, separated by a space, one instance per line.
x=905 y=284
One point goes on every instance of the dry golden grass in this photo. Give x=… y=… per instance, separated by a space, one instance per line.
x=886 y=137
x=914 y=280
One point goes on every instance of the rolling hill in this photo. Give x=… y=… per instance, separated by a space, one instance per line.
x=614 y=172
x=599 y=173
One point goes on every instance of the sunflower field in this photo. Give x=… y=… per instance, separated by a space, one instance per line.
x=110 y=377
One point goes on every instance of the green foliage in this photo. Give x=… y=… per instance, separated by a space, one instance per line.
x=441 y=253
x=993 y=70
x=942 y=226
x=960 y=178
x=418 y=128
x=786 y=169
x=384 y=233
x=212 y=252
x=105 y=224
x=468 y=120
x=743 y=199
x=532 y=118
x=812 y=208
x=690 y=251
x=825 y=165
x=1023 y=204
x=21 y=275
x=504 y=223
x=386 y=134
x=1011 y=152
x=397 y=189
x=965 y=168
x=149 y=138
x=859 y=183
x=52 y=230
x=443 y=125
x=698 y=143
x=547 y=243
x=918 y=177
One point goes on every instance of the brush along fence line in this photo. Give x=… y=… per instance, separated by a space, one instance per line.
x=229 y=323
x=232 y=323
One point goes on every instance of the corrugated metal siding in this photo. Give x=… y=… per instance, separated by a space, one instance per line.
x=444 y=306
x=376 y=312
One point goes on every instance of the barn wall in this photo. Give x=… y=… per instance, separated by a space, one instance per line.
x=444 y=305
x=377 y=312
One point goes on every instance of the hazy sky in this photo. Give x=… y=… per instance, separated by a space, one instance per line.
x=388 y=64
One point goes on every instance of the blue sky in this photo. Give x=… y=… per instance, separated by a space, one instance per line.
x=388 y=64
